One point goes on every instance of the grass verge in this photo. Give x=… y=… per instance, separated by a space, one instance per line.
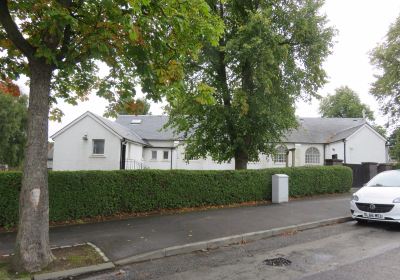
x=66 y=258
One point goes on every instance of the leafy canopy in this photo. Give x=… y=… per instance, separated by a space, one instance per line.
x=13 y=117
x=386 y=58
x=140 y=41
x=238 y=99
x=140 y=106
x=345 y=103
x=394 y=144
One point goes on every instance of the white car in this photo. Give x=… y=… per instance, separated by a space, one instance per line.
x=379 y=199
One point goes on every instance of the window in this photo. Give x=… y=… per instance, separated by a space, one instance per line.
x=153 y=154
x=98 y=146
x=312 y=155
x=281 y=155
x=165 y=155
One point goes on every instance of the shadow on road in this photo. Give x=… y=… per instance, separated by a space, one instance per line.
x=395 y=227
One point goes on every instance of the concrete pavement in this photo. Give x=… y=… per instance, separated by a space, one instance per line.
x=123 y=238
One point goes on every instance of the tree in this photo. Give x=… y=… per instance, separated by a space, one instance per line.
x=238 y=100
x=380 y=129
x=386 y=88
x=59 y=44
x=139 y=106
x=345 y=103
x=13 y=117
x=394 y=144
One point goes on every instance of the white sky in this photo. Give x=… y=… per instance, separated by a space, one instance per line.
x=361 y=25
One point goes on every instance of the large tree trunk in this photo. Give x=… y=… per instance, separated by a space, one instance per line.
x=32 y=248
x=241 y=159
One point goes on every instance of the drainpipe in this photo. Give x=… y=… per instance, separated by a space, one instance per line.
x=344 y=151
x=172 y=149
x=324 y=154
x=123 y=152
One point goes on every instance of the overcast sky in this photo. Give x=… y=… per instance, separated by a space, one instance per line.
x=361 y=25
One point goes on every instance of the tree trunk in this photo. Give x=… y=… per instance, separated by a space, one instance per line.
x=241 y=159
x=32 y=248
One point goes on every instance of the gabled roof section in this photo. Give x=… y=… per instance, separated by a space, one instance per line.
x=142 y=128
x=323 y=130
x=119 y=130
x=344 y=133
x=149 y=127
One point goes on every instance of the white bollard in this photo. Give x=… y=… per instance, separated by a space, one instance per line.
x=280 y=188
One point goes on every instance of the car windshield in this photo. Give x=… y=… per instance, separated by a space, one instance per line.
x=386 y=179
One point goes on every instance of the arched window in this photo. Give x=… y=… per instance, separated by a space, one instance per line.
x=281 y=155
x=312 y=155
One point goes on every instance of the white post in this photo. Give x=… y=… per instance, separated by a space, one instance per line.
x=280 y=188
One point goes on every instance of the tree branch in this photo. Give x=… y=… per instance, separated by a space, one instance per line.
x=65 y=42
x=13 y=32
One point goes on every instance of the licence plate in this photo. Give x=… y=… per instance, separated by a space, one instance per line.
x=372 y=215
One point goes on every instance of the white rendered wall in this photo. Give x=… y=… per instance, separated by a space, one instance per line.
x=365 y=146
x=71 y=152
x=335 y=148
x=301 y=154
x=178 y=161
x=134 y=152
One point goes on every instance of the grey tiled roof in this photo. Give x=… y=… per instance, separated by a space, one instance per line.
x=150 y=128
x=323 y=130
x=310 y=130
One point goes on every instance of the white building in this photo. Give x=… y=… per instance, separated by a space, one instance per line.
x=133 y=142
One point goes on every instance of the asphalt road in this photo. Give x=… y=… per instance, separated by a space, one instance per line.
x=344 y=251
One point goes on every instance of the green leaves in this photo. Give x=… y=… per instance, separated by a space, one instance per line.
x=270 y=54
x=345 y=103
x=386 y=58
x=141 y=43
x=80 y=194
x=13 y=121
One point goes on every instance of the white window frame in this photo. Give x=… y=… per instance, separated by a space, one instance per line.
x=281 y=155
x=312 y=156
x=152 y=154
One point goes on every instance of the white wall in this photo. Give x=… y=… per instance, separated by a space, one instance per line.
x=134 y=151
x=301 y=154
x=178 y=160
x=71 y=152
x=365 y=145
x=160 y=162
x=200 y=164
x=335 y=148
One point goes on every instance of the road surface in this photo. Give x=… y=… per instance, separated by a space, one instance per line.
x=343 y=251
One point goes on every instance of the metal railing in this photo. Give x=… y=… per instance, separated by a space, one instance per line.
x=131 y=164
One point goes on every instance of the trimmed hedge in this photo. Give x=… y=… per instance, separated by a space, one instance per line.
x=79 y=194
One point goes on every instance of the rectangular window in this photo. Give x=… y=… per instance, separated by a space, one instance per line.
x=165 y=155
x=153 y=154
x=98 y=146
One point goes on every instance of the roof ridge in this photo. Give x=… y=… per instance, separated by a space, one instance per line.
x=126 y=115
x=340 y=131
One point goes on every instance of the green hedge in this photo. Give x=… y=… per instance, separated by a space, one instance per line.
x=79 y=194
x=396 y=165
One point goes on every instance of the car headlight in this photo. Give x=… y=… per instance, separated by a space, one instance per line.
x=396 y=200
x=355 y=198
